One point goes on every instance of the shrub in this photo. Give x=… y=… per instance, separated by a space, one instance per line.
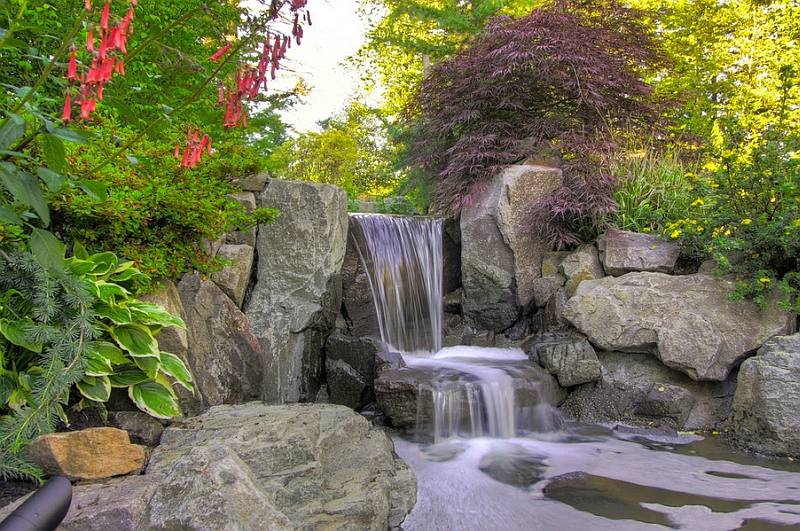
x=553 y=84
x=746 y=210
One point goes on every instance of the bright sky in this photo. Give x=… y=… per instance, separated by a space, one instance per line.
x=337 y=32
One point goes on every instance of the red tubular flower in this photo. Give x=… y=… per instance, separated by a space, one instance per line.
x=104 y=16
x=66 y=115
x=121 y=68
x=209 y=145
x=221 y=97
x=244 y=120
x=88 y=5
x=185 y=161
x=90 y=41
x=134 y=3
x=177 y=150
x=217 y=56
x=72 y=69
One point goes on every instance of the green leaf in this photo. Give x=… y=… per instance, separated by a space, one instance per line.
x=95 y=388
x=11 y=132
x=79 y=268
x=153 y=314
x=47 y=249
x=14 y=333
x=80 y=251
x=136 y=339
x=149 y=365
x=172 y=365
x=9 y=216
x=95 y=190
x=25 y=188
x=54 y=153
x=155 y=399
x=54 y=180
x=109 y=351
x=110 y=291
x=105 y=263
x=98 y=365
x=126 y=375
x=118 y=314
x=69 y=135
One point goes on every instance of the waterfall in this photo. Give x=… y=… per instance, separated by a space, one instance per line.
x=403 y=260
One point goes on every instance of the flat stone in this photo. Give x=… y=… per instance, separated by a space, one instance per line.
x=623 y=252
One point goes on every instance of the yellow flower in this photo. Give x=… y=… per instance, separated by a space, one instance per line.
x=796 y=222
x=765 y=280
x=646 y=229
x=675 y=233
x=700 y=228
x=747 y=221
x=726 y=153
x=699 y=201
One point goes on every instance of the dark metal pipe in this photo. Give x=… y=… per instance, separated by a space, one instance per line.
x=43 y=510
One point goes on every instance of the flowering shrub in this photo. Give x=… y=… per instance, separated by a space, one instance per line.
x=745 y=213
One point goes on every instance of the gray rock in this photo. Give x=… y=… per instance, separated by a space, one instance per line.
x=294 y=303
x=350 y=369
x=551 y=262
x=452 y=301
x=233 y=279
x=623 y=252
x=499 y=256
x=687 y=321
x=253 y=182
x=357 y=301
x=451 y=256
x=244 y=237
x=767 y=399
x=665 y=401
x=583 y=264
x=141 y=427
x=627 y=380
x=572 y=361
x=544 y=288
x=319 y=464
x=224 y=355
x=210 y=488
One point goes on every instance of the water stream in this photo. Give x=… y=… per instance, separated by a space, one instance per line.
x=499 y=457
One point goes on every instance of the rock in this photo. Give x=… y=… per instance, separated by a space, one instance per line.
x=627 y=381
x=234 y=279
x=687 y=321
x=581 y=265
x=224 y=355
x=397 y=393
x=452 y=301
x=544 y=288
x=551 y=262
x=350 y=369
x=451 y=256
x=141 y=427
x=319 y=464
x=767 y=398
x=357 y=301
x=93 y=453
x=248 y=236
x=118 y=504
x=513 y=465
x=253 y=182
x=499 y=256
x=210 y=487
x=294 y=303
x=665 y=401
x=623 y=252
x=385 y=361
x=572 y=361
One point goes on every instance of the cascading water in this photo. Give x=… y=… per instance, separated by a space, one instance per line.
x=474 y=391
x=501 y=460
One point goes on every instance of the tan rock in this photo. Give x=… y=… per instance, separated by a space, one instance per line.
x=93 y=453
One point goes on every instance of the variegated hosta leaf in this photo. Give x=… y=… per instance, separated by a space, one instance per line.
x=155 y=399
x=96 y=388
x=126 y=375
x=153 y=314
x=136 y=339
x=172 y=365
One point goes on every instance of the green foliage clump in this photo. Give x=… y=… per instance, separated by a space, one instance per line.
x=156 y=213
x=746 y=210
x=71 y=326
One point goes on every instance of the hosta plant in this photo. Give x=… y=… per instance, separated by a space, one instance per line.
x=70 y=326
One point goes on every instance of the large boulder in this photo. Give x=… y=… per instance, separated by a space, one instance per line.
x=234 y=278
x=688 y=322
x=224 y=356
x=499 y=256
x=639 y=389
x=319 y=464
x=572 y=361
x=293 y=306
x=624 y=252
x=256 y=467
x=767 y=399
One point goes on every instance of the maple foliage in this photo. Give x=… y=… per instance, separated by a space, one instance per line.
x=555 y=83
